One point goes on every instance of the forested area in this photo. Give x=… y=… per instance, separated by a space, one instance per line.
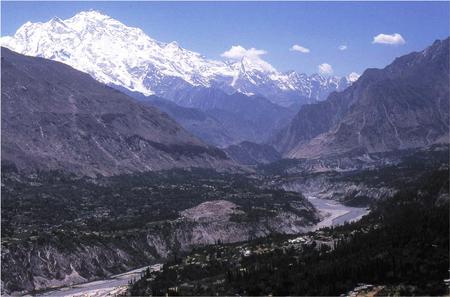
x=52 y=202
x=402 y=245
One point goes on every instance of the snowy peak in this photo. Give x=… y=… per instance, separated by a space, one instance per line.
x=247 y=64
x=96 y=21
x=116 y=54
x=103 y=47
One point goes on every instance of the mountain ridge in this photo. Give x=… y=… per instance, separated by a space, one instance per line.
x=219 y=118
x=55 y=117
x=113 y=53
x=402 y=106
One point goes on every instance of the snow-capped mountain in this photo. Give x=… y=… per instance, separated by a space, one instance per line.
x=116 y=54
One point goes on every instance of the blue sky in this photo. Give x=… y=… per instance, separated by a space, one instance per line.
x=321 y=27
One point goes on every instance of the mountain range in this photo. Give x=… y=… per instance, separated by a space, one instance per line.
x=222 y=119
x=55 y=117
x=119 y=151
x=116 y=54
x=248 y=101
x=403 y=106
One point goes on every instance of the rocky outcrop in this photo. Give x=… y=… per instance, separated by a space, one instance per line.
x=348 y=191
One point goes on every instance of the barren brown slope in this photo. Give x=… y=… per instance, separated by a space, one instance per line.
x=405 y=105
x=55 y=117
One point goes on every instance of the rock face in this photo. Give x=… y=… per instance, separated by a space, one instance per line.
x=324 y=187
x=55 y=117
x=210 y=211
x=116 y=54
x=249 y=153
x=404 y=105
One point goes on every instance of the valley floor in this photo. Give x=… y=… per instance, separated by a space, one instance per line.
x=121 y=223
x=400 y=248
x=333 y=212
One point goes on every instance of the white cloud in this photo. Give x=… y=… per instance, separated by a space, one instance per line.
x=299 y=48
x=352 y=77
x=237 y=52
x=253 y=55
x=391 y=39
x=342 y=47
x=325 y=69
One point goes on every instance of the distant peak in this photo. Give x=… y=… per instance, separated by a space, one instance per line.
x=248 y=63
x=56 y=19
x=318 y=76
x=26 y=25
x=94 y=11
x=173 y=44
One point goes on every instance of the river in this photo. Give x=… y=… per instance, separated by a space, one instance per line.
x=335 y=213
x=115 y=285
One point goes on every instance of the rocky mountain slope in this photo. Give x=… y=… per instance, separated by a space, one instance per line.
x=222 y=119
x=405 y=105
x=249 y=153
x=196 y=121
x=116 y=54
x=55 y=117
x=251 y=118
